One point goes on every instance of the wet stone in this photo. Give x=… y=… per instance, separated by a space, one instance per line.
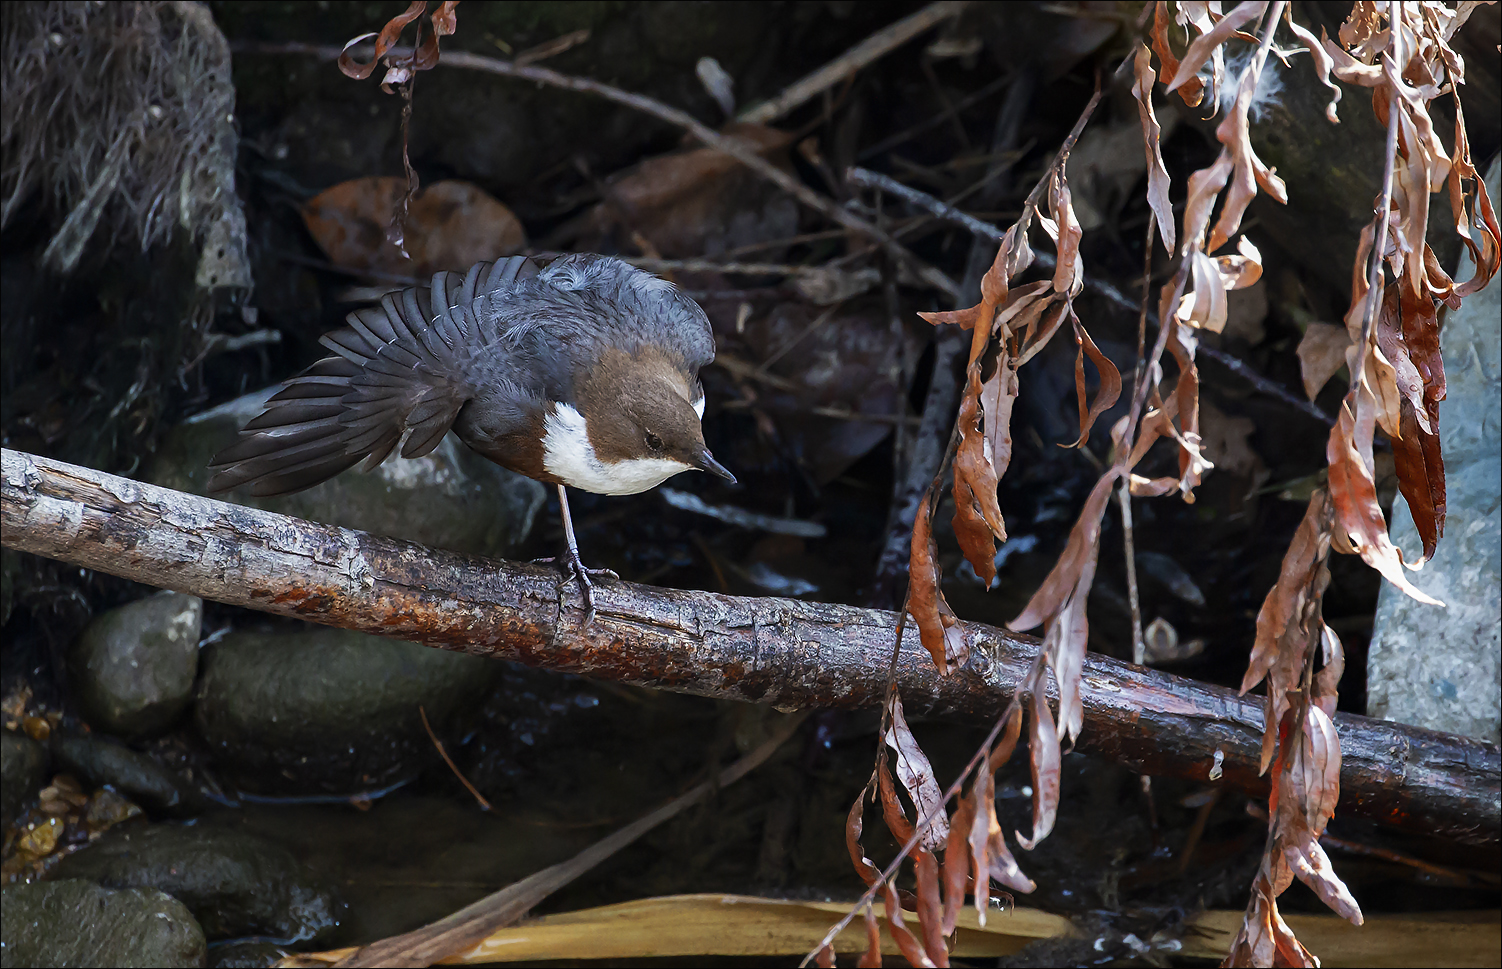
x=23 y=767
x=138 y=776
x=134 y=666
x=235 y=884
x=329 y=711
x=245 y=955
x=452 y=498
x=75 y=923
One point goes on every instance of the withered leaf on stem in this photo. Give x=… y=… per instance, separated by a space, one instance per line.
x=938 y=628
x=1045 y=757
x=917 y=776
x=872 y=956
x=911 y=950
x=1357 y=513
x=1192 y=90
x=1152 y=136
x=930 y=907
x=1421 y=479
x=977 y=514
x=1321 y=352
x=854 y=824
x=1110 y=380
x=1208 y=42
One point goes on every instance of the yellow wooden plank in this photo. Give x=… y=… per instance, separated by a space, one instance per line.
x=739 y=925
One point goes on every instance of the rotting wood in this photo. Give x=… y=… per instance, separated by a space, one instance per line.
x=787 y=653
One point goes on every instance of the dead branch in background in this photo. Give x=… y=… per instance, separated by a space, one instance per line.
x=783 y=652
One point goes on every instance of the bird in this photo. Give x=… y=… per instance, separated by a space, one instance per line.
x=581 y=371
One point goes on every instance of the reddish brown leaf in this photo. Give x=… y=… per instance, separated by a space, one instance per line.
x=964 y=319
x=977 y=514
x=1321 y=60
x=906 y=944
x=824 y=958
x=1358 y=516
x=892 y=811
x=1328 y=678
x=1204 y=189
x=938 y=628
x=997 y=395
x=1152 y=136
x=853 y=827
x=930 y=908
x=385 y=40
x=1322 y=352
x=1192 y=90
x=872 y=956
x=957 y=862
x=1487 y=254
x=1045 y=755
x=1206 y=43
x=1192 y=463
x=1081 y=548
x=982 y=818
x=1248 y=171
x=1420 y=320
x=1421 y=478
x=917 y=776
x=1110 y=380
x=1064 y=228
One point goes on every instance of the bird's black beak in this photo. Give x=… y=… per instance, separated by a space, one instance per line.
x=706 y=462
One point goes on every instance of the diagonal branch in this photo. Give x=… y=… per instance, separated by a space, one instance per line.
x=784 y=652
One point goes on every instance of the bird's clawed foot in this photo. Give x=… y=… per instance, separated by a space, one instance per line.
x=574 y=570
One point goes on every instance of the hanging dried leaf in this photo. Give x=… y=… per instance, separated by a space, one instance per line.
x=1322 y=62
x=872 y=956
x=1208 y=42
x=1204 y=189
x=1192 y=90
x=930 y=908
x=1045 y=756
x=1080 y=551
x=1248 y=171
x=957 y=862
x=978 y=524
x=1064 y=229
x=1152 y=134
x=853 y=827
x=1110 y=380
x=917 y=776
x=385 y=40
x=1358 y=516
x=1421 y=478
x=938 y=627
x=906 y=944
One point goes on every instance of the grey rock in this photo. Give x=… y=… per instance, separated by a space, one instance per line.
x=141 y=778
x=134 y=666
x=1439 y=668
x=453 y=498
x=75 y=923
x=23 y=767
x=331 y=711
x=234 y=883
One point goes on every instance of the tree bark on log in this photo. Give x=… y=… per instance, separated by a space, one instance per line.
x=787 y=653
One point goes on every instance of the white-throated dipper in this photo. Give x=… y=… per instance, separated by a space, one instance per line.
x=583 y=372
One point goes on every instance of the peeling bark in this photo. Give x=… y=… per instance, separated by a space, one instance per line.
x=787 y=653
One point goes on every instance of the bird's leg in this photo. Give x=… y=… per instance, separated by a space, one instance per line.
x=573 y=566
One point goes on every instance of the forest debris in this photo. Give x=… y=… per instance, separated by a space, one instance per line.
x=450 y=225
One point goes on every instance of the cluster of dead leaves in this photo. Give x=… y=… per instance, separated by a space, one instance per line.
x=1390 y=346
x=975 y=851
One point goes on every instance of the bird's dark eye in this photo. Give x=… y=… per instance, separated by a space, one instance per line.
x=654 y=442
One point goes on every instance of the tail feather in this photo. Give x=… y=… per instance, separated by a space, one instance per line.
x=398 y=371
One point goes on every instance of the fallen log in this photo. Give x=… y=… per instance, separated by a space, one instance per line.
x=787 y=653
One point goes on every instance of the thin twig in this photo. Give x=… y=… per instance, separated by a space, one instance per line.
x=877 y=45
x=484 y=804
x=1379 y=242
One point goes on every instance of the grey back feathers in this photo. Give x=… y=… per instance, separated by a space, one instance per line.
x=509 y=335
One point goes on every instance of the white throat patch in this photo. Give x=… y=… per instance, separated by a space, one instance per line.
x=569 y=456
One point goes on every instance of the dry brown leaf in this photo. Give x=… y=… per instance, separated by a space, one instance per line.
x=1421 y=478
x=930 y=907
x=1157 y=174
x=1064 y=229
x=997 y=397
x=1322 y=352
x=911 y=950
x=1322 y=62
x=450 y=225
x=1110 y=380
x=1205 y=306
x=1486 y=254
x=957 y=862
x=892 y=811
x=1358 y=516
x=1192 y=89
x=964 y=319
x=1061 y=582
x=1204 y=189
x=1208 y=42
x=385 y=40
x=853 y=827
x=938 y=627
x=978 y=524
x=1045 y=757
x=872 y=956
x=917 y=776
